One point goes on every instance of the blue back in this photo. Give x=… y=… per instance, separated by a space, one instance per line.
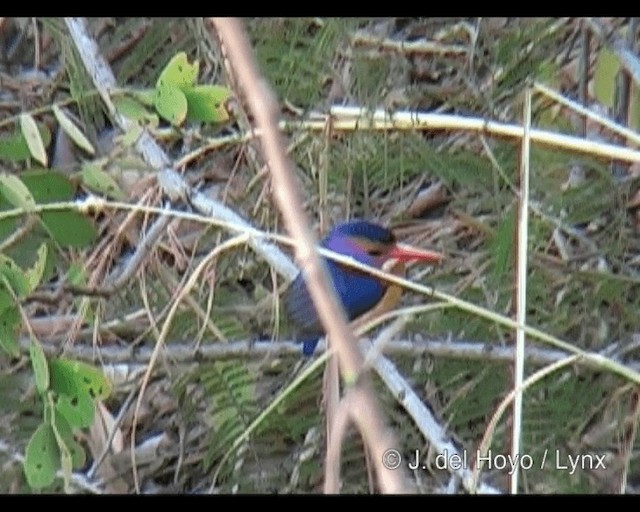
x=358 y=292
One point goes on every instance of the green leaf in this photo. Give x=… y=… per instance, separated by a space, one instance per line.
x=42 y=457
x=98 y=180
x=14 y=276
x=69 y=228
x=207 y=103
x=40 y=365
x=9 y=326
x=35 y=273
x=72 y=378
x=48 y=186
x=171 y=104
x=34 y=140
x=14 y=146
x=78 y=456
x=73 y=131
x=78 y=409
x=133 y=109
x=144 y=96
x=604 y=76
x=16 y=191
x=77 y=274
x=178 y=73
x=131 y=136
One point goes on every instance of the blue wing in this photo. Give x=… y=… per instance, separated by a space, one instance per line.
x=358 y=293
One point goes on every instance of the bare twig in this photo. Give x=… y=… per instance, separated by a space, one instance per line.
x=420 y=46
x=184 y=353
x=352 y=118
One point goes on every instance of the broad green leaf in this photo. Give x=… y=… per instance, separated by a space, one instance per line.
x=604 y=76
x=14 y=146
x=98 y=180
x=178 y=73
x=171 y=104
x=16 y=191
x=207 y=103
x=69 y=228
x=9 y=327
x=78 y=409
x=40 y=365
x=72 y=378
x=34 y=140
x=42 y=457
x=73 y=131
x=35 y=273
x=48 y=186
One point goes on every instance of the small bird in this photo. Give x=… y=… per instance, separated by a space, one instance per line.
x=359 y=292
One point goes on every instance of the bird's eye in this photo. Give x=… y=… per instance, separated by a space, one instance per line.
x=375 y=252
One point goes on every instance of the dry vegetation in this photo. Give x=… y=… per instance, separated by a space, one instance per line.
x=448 y=188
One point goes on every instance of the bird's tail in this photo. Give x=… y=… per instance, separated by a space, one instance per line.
x=309 y=346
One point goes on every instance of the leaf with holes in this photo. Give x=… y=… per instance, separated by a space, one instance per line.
x=40 y=366
x=171 y=104
x=78 y=409
x=31 y=134
x=73 y=378
x=72 y=130
x=16 y=191
x=42 y=457
x=206 y=103
x=178 y=72
x=98 y=180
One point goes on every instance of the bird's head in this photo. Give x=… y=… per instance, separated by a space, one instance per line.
x=374 y=245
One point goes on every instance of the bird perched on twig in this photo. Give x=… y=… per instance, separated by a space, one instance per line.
x=359 y=292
